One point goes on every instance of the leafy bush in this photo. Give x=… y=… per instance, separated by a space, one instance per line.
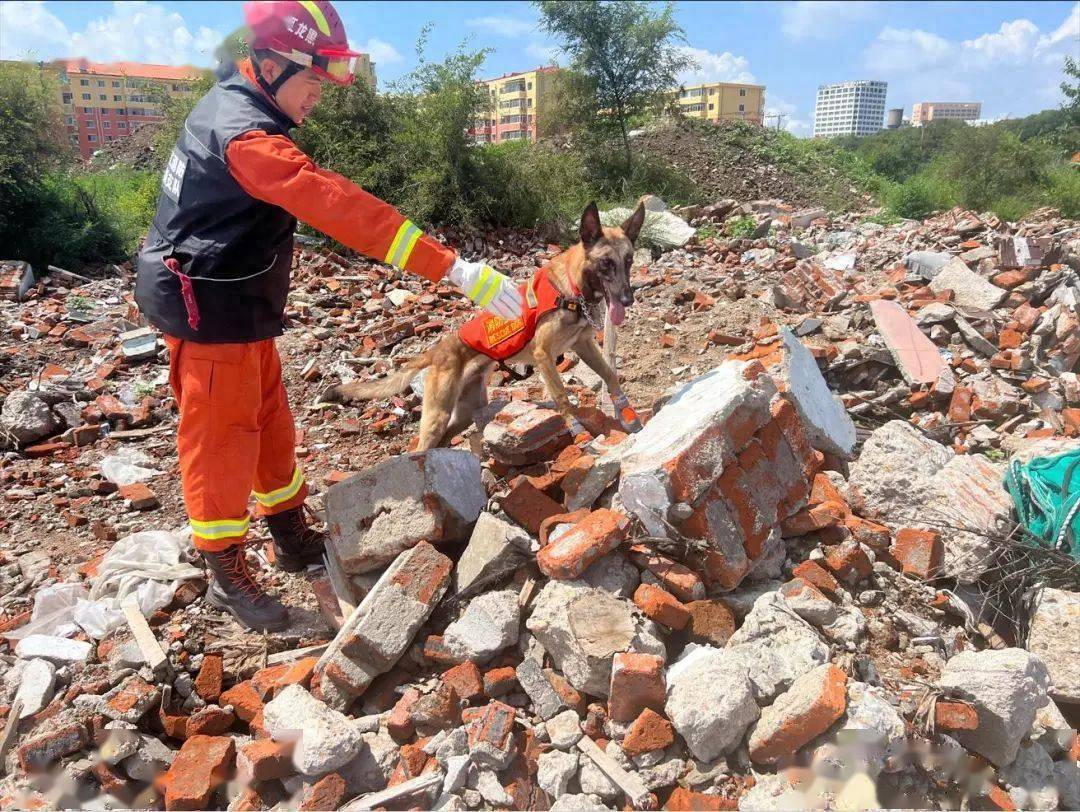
x=523 y=184
x=128 y=199
x=44 y=218
x=917 y=197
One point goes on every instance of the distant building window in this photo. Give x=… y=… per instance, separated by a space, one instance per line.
x=117 y=98
x=711 y=105
x=71 y=121
x=530 y=85
x=116 y=84
x=103 y=96
x=106 y=125
x=742 y=108
x=91 y=124
x=742 y=91
x=67 y=98
x=86 y=96
x=105 y=111
x=84 y=82
x=91 y=138
x=122 y=125
x=108 y=138
x=100 y=83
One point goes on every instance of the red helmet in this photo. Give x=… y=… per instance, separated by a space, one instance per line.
x=307 y=32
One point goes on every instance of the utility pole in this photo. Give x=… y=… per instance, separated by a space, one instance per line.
x=779 y=118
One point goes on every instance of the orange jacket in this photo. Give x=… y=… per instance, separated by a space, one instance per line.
x=273 y=169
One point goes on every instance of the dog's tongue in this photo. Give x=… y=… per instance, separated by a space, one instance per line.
x=617 y=312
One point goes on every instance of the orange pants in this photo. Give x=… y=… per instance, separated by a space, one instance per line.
x=236 y=437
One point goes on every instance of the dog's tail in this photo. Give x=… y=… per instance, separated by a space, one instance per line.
x=393 y=384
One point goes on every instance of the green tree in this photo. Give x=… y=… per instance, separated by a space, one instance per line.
x=1071 y=89
x=626 y=54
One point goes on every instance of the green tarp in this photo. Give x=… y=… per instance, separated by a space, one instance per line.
x=1046 y=492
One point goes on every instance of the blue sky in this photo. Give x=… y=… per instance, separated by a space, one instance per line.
x=1008 y=55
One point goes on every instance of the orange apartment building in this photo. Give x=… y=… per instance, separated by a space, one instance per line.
x=106 y=101
x=515 y=102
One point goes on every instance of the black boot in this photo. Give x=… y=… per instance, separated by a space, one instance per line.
x=296 y=544
x=234 y=589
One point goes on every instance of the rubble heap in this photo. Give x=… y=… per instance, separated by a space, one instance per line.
x=775 y=595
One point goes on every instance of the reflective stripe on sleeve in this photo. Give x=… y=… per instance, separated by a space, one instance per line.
x=402 y=246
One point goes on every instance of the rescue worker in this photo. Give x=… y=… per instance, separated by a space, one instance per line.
x=214 y=275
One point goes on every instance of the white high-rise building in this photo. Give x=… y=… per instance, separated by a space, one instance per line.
x=849 y=108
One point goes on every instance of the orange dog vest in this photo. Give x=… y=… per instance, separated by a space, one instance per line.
x=501 y=339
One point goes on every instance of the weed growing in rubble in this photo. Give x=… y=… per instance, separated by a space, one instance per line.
x=709 y=231
x=741 y=228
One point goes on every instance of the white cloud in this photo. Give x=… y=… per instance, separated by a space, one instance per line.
x=906 y=50
x=822 y=19
x=547 y=54
x=1014 y=70
x=28 y=29
x=1068 y=30
x=712 y=67
x=136 y=31
x=380 y=51
x=1014 y=41
x=503 y=26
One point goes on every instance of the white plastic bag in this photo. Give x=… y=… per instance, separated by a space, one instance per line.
x=54 y=612
x=144 y=567
x=128 y=466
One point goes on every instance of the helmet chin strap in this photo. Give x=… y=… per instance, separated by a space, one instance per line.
x=288 y=72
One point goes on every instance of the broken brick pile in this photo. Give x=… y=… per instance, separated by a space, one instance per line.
x=713 y=613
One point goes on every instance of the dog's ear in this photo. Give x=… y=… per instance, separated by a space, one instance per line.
x=632 y=227
x=591 y=230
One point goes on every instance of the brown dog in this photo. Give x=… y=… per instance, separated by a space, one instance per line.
x=598 y=268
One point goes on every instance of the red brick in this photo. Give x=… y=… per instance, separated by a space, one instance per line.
x=637 y=682
x=955 y=716
x=438 y=710
x=594 y=536
x=211 y=674
x=265 y=680
x=265 y=760
x=209 y=721
x=40 y=751
x=202 y=765
x=711 y=622
x=822 y=490
x=685 y=800
x=465 y=679
x=848 y=560
x=811 y=519
x=111 y=780
x=784 y=728
x=919 y=552
x=551 y=522
x=494 y=726
x=661 y=606
x=677 y=578
x=139 y=495
x=500 y=681
x=399 y=724
x=875 y=536
x=326 y=793
x=650 y=731
x=244 y=699
x=529 y=507
x=570 y=695
x=998 y=798
x=816 y=575
x=411 y=763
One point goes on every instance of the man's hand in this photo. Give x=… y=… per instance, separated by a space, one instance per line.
x=493 y=291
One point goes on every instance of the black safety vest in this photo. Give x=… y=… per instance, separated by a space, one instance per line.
x=236 y=250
